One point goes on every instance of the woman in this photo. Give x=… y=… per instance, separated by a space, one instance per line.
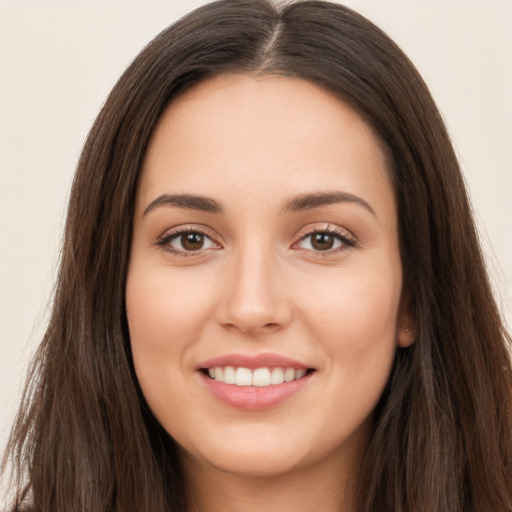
x=271 y=293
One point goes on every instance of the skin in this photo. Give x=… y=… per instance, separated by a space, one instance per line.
x=260 y=285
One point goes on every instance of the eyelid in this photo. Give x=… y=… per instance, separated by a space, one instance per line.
x=346 y=238
x=167 y=236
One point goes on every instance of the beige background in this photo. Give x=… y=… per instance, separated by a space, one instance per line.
x=59 y=59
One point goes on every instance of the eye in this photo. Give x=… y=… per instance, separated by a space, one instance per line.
x=186 y=241
x=325 y=240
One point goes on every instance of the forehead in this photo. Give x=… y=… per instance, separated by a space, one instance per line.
x=262 y=136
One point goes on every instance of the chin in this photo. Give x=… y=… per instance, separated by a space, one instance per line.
x=257 y=459
x=255 y=464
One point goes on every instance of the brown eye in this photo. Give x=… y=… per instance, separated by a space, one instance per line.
x=322 y=241
x=192 y=241
x=328 y=241
x=183 y=242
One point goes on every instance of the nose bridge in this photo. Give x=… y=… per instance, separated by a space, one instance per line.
x=254 y=298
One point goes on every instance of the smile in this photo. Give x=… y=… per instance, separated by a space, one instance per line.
x=259 y=377
x=254 y=383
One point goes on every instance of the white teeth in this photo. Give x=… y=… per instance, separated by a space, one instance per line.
x=243 y=377
x=289 y=375
x=260 y=377
x=277 y=376
x=229 y=375
x=298 y=374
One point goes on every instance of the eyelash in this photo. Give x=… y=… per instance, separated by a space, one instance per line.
x=339 y=235
x=342 y=236
x=167 y=238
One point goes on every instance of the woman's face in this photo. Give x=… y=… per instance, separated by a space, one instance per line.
x=265 y=253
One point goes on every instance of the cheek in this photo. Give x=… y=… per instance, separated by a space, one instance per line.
x=162 y=307
x=354 y=318
x=164 y=316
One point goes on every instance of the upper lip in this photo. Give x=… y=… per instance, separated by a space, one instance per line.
x=264 y=360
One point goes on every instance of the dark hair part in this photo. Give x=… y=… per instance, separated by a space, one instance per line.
x=84 y=440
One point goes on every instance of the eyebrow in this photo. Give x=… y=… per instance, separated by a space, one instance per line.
x=295 y=204
x=187 y=201
x=310 y=201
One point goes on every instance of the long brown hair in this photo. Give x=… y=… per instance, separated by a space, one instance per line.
x=84 y=439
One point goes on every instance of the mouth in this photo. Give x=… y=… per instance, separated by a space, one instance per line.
x=254 y=383
x=257 y=377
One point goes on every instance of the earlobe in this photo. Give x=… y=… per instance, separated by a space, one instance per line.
x=406 y=326
x=406 y=336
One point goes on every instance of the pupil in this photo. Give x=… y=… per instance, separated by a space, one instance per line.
x=323 y=241
x=192 y=241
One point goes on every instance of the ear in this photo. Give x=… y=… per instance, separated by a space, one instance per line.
x=406 y=323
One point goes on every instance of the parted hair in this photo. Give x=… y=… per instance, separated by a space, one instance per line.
x=84 y=439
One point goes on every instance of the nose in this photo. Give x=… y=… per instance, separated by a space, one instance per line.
x=253 y=296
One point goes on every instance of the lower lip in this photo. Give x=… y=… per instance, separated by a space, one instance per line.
x=254 y=398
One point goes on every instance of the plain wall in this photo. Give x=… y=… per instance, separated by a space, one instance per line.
x=59 y=59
